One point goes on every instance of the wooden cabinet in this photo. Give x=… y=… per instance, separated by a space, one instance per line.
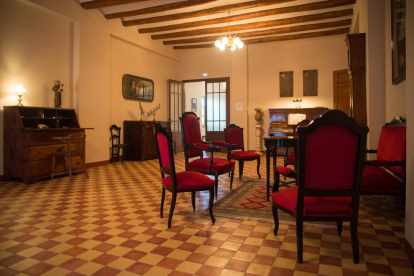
x=357 y=77
x=28 y=150
x=139 y=135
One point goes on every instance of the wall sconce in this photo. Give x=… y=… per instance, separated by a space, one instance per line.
x=297 y=101
x=19 y=90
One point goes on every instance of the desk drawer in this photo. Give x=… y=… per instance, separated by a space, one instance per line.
x=45 y=152
x=40 y=138
x=44 y=167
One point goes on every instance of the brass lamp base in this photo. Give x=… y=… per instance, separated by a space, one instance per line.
x=20 y=101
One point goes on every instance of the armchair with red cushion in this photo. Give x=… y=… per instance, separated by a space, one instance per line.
x=386 y=174
x=234 y=136
x=290 y=159
x=328 y=185
x=178 y=182
x=194 y=147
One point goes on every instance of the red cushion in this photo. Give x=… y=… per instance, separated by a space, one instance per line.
x=376 y=179
x=284 y=170
x=192 y=133
x=332 y=148
x=392 y=145
x=201 y=145
x=219 y=143
x=314 y=206
x=190 y=180
x=244 y=155
x=235 y=137
x=291 y=159
x=219 y=164
x=163 y=148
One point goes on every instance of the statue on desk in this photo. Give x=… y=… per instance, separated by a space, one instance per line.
x=58 y=89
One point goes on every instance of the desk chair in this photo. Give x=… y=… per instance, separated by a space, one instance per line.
x=75 y=146
x=116 y=144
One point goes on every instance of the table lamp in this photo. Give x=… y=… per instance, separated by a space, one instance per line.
x=19 y=90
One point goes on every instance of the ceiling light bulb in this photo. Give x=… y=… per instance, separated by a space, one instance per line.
x=218 y=43
x=233 y=47
x=240 y=44
x=236 y=40
x=222 y=47
x=225 y=40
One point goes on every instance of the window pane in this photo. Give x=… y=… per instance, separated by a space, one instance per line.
x=180 y=108
x=216 y=107
x=222 y=86
x=209 y=126
x=179 y=126
x=172 y=126
x=180 y=87
x=209 y=87
x=222 y=125
x=172 y=106
x=176 y=108
x=222 y=106
x=216 y=126
x=210 y=107
x=216 y=87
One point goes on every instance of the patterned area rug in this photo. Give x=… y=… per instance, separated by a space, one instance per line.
x=249 y=202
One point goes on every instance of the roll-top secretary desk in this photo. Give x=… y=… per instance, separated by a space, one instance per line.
x=28 y=150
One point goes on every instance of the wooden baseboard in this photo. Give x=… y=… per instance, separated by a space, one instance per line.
x=97 y=164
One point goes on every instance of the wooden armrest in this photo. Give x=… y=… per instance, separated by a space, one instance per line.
x=385 y=163
x=203 y=147
x=370 y=151
x=222 y=144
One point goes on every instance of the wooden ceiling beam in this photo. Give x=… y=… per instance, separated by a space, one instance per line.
x=250 y=15
x=255 y=25
x=161 y=8
x=300 y=28
x=276 y=38
x=96 y=4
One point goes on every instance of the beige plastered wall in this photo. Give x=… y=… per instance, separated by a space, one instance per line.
x=409 y=208
x=44 y=40
x=195 y=90
x=254 y=75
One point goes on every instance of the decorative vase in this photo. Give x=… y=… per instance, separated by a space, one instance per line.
x=258 y=117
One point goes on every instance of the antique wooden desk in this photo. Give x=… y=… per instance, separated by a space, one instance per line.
x=271 y=144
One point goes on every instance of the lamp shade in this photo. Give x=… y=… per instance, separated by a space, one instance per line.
x=20 y=89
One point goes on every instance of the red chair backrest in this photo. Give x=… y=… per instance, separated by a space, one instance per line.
x=392 y=146
x=192 y=133
x=164 y=154
x=234 y=136
x=331 y=157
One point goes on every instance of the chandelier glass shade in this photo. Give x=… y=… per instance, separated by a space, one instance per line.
x=229 y=42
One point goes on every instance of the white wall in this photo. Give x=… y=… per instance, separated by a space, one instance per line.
x=195 y=90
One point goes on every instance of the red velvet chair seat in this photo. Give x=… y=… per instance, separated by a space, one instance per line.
x=291 y=159
x=376 y=179
x=284 y=170
x=190 y=180
x=219 y=164
x=244 y=155
x=314 y=206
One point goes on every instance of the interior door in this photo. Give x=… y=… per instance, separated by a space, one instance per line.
x=176 y=109
x=342 y=91
x=217 y=108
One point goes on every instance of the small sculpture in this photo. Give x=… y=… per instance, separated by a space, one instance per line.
x=58 y=89
x=154 y=110
x=142 y=110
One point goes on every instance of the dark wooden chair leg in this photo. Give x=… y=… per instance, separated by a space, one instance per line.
x=299 y=238
x=275 y=218
x=339 y=226
x=70 y=168
x=117 y=156
x=53 y=167
x=354 y=240
x=216 y=186
x=258 y=167
x=173 y=200
x=231 y=179
x=162 y=202
x=193 y=199
x=241 y=164
x=123 y=153
x=210 y=205
x=84 y=167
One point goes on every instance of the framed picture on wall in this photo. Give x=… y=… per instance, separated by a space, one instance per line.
x=398 y=32
x=137 y=89
x=194 y=104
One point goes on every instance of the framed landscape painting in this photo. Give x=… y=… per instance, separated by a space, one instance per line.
x=137 y=89
x=398 y=32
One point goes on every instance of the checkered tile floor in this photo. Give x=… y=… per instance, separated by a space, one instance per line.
x=110 y=225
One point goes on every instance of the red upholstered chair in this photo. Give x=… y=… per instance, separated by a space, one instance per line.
x=194 y=147
x=290 y=159
x=234 y=136
x=178 y=182
x=328 y=185
x=391 y=155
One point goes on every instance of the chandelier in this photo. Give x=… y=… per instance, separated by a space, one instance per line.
x=229 y=42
